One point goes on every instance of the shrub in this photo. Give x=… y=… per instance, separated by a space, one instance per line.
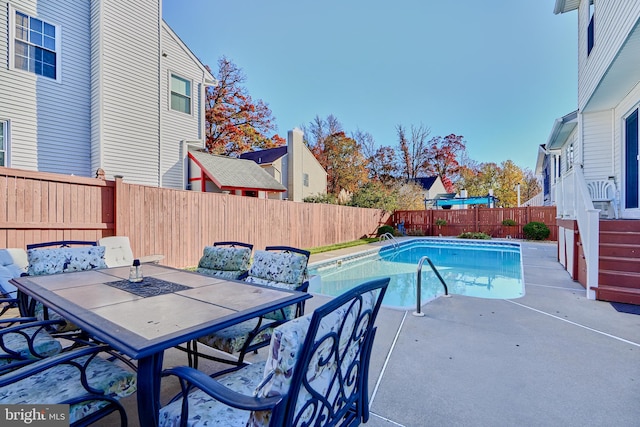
x=536 y=231
x=508 y=221
x=415 y=232
x=474 y=235
x=384 y=229
x=441 y=221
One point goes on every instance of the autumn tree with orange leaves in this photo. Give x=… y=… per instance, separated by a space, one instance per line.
x=235 y=123
x=340 y=156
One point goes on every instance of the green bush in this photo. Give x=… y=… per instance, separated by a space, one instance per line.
x=536 y=231
x=508 y=221
x=441 y=221
x=474 y=235
x=384 y=229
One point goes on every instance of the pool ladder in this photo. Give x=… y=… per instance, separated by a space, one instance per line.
x=389 y=236
x=419 y=284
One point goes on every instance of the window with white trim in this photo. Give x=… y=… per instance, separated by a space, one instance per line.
x=180 y=94
x=3 y=142
x=35 y=45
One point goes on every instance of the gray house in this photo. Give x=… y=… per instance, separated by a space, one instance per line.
x=98 y=84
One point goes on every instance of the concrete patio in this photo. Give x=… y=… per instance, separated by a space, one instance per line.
x=550 y=358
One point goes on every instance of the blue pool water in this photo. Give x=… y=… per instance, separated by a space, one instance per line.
x=472 y=268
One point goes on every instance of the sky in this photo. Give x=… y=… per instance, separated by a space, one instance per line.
x=497 y=72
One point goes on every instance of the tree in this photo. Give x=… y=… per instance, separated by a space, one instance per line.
x=509 y=178
x=413 y=150
x=339 y=155
x=235 y=123
x=443 y=154
x=375 y=195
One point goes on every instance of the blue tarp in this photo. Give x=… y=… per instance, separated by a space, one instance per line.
x=487 y=200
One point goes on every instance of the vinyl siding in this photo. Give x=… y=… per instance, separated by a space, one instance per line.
x=177 y=126
x=598 y=147
x=127 y=86
x=49 y=119
x=613 y=19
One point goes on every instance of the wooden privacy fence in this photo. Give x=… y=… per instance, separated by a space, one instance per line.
x=37 y=207
x=480 y=219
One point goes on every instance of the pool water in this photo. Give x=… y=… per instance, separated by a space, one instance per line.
x=478 y=269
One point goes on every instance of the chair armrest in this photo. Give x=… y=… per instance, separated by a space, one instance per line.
x=49 y=362
x=192 y=377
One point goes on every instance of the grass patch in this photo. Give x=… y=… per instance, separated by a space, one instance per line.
x=358 y=242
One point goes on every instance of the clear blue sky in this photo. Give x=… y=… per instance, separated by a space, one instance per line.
x=498 y=72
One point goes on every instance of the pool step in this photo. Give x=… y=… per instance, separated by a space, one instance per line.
x=619 y=261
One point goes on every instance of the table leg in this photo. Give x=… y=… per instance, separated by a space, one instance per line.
x=149 y=369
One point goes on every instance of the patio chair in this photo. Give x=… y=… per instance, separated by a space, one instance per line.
x=316 y=373
x=228 y=260
x=13 y=263
x=118 y=253
x=277 y=266
x=81 y=378
x=24 y=340
x=61 y=259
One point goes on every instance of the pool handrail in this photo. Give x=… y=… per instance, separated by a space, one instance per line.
x=419 y=284
x=389 y=236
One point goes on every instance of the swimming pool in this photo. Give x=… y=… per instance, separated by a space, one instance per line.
x=474 y=268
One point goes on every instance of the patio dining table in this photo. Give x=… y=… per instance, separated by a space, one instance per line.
x=141 y=320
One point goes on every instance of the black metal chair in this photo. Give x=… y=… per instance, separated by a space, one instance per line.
x=59 y=257
x=227 y=260
x=316 y=373
x=276 y=266
x=81 y=378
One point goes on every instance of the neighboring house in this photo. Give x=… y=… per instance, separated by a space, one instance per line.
x=433 y=189
x=294 y=166
x=98 y=84
x=223 y=174
x=593 y=164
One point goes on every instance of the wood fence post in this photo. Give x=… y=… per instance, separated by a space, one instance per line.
x=117 y=216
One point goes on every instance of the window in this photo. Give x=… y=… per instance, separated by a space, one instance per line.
x=570 y=158
x=305 y=179
x=35 y=46
x=590 y=39
x=180 y=94
x=3 y=143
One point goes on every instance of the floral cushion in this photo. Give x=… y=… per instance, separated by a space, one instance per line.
x=281 y=269
x=229 y=275
x=43 y=344
x=225 y=259
x=62 y=382
x=206 y=411
x=233 y=338
x=64 y=260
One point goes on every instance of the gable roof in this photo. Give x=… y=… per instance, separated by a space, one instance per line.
x=426 y=181
x=208 y=77
x=229 y=173
x=267 y=156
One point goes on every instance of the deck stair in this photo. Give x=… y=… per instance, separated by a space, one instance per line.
x=619 y=263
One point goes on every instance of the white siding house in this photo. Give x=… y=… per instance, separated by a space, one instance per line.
x=87 y=86
x=604 y=144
